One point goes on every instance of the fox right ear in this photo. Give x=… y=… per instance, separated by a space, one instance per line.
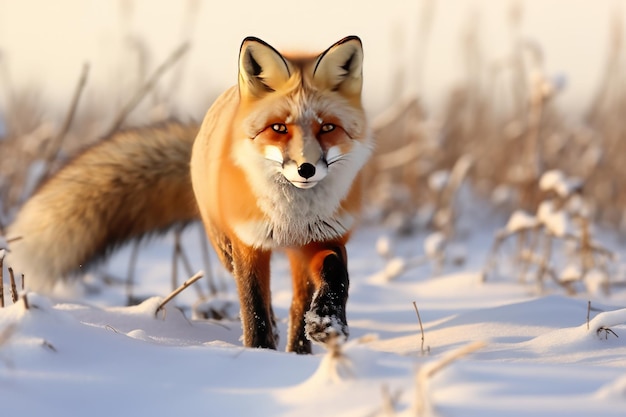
x=262 y=69
x=340 y=67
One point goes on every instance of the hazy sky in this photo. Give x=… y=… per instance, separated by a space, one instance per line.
x=46 y=42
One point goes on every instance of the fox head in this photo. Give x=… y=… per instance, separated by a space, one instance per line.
x=302 y=115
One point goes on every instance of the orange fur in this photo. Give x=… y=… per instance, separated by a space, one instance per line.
x=249 y=202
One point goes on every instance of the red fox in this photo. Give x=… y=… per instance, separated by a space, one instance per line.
x=275 y=165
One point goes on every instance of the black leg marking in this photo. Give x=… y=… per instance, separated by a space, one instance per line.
x=259 y=324
x=325 y=322
x=298 y=342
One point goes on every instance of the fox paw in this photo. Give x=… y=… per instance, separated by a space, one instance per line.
x=326 y=323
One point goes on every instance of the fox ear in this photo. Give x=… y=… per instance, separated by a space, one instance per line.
x=340 y=67
x=262 y=69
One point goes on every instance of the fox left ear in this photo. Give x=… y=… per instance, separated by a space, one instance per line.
x=340 y=67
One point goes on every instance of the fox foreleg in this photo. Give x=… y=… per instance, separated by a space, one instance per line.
x=324 y=320
x=252 y=275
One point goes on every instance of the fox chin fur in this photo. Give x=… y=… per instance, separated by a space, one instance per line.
x=275 y=165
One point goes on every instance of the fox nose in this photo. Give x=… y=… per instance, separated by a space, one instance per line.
x=306 y=170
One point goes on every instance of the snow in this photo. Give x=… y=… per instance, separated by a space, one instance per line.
x=520 y=220
x=571 y=273
x=434 y=244
x=90 y=355
x=556 y=221
x=383 y=246
x=438 y=180
x=555 y=180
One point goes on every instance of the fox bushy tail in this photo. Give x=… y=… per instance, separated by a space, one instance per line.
x=131 y=184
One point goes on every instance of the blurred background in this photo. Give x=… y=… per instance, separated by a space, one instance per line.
x=494 y=92
x=412 y=46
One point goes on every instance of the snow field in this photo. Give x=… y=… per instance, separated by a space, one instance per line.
x=533 y=352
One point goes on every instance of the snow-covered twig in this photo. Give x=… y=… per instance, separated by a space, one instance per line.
x=562 y=218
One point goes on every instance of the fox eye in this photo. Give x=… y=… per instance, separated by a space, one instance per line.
x=327 y=127
x=279 y=128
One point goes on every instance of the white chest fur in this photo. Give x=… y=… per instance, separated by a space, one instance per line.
x=294 y=216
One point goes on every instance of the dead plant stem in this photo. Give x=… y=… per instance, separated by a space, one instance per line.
x=146 y=87
x=130 y=277
x=178 y=290
x=13 y=286
x=206 y=258
x=419 y=319
x=2 y=280
x=56 y=143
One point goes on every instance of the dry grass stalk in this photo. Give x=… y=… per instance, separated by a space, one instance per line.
x=544 y=262
x=34 y=147
x=175 y=255
x=419 y=319
x=49 y=346
x=190 y=20
x=2 y=253
x=445 y=214
x=606 y=331
x=423 y=405
x=146 y=88
x=180 y=254
x=13 y=286
x=177 y=291
x=206 y=259
x=130 y=276
x=492 y=257
x=524 y=254
x=1 y=294
x=523 y=264
x=25 y=301
x=54 y=145
x=399 y=167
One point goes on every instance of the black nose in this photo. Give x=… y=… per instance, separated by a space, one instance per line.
x=306 y=170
